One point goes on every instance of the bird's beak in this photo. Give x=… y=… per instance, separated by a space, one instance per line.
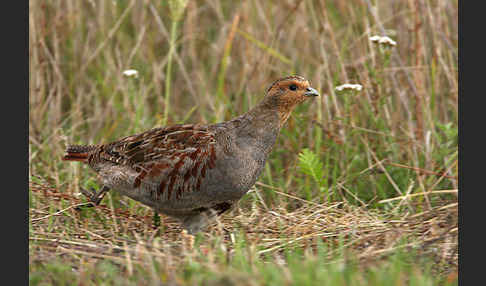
x=311 y=92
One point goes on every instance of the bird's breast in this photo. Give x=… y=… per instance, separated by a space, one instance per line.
x=240 y=169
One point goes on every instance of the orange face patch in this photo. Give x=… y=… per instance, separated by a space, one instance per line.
x=293 y=91
x=284 y=94
x=289 y=92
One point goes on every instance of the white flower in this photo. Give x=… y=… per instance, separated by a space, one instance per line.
x=349 y=86
x=386 y=41
x=131 y=73
x=375 y=39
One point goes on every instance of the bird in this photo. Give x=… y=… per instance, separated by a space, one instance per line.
x=194 y=172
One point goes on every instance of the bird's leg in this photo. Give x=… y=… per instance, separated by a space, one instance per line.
x=195 y=223
x=187 y=240
x=93 y=196
x=222 y=207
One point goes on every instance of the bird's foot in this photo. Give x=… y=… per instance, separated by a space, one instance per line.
x=187 y=240
x=94 y=197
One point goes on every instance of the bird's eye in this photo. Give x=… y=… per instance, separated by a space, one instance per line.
x=293 y=87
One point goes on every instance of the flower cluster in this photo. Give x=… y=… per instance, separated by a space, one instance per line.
x=384 y=40
x=130 y=73
x=349 y=86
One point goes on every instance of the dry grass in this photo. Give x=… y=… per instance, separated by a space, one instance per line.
x=128 y=239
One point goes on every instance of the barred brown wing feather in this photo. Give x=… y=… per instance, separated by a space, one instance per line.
x=175 y=159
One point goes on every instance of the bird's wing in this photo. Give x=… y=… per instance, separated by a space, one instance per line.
x=175 y=158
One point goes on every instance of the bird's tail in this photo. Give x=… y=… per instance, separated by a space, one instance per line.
x=78 y=152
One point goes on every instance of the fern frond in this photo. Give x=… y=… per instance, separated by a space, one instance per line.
x=311 y=165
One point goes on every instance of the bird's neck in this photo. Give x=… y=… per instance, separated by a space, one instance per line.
x=260 y=126
x=277 y=109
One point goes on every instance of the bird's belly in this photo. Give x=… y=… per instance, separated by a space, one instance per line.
x=122 y=180
x=228 y=181
x=138 y=194
x=217 y=187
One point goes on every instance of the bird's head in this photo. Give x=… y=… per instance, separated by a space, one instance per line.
x=285 y=93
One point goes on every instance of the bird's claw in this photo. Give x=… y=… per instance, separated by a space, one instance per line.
x=94 y=198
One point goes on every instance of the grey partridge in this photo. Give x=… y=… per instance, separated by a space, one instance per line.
x=194 y=172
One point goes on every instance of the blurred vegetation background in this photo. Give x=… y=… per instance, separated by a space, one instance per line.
x=205 y=61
